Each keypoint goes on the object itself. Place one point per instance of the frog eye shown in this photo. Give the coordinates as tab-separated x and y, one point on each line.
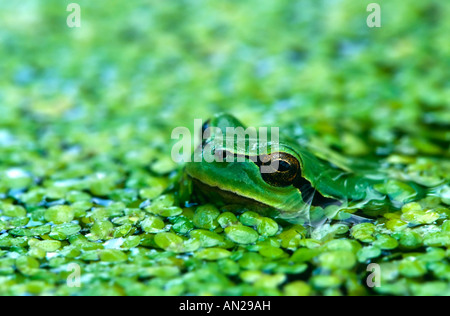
282	168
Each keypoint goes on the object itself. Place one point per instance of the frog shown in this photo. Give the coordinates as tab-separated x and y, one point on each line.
299	184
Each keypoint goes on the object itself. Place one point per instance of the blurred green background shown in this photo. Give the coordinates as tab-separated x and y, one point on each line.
163	63
91	108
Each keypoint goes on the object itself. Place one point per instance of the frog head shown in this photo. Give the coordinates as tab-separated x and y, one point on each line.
263	173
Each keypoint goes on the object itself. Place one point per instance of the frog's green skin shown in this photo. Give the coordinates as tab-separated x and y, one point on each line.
319	182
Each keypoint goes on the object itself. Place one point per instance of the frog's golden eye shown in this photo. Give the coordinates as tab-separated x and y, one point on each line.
279	169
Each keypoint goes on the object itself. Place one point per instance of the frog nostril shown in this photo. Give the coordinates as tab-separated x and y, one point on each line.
206	125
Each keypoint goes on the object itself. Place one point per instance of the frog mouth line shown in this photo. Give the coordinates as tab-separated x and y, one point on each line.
232	196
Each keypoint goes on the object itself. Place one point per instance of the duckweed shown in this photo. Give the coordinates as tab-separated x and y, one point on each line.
152	224
271	252
227	219
241	234
101	230
385	242
207	238
59	214
267	227
113	255
364	232
206	217
213	254
412	268
13	210
251	261
45	245
86	176
297	288
337	260
410	240
420	217
367	253
169	242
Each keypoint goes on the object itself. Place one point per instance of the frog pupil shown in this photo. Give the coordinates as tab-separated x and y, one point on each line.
283	166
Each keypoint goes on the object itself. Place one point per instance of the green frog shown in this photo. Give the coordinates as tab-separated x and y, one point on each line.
298	184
